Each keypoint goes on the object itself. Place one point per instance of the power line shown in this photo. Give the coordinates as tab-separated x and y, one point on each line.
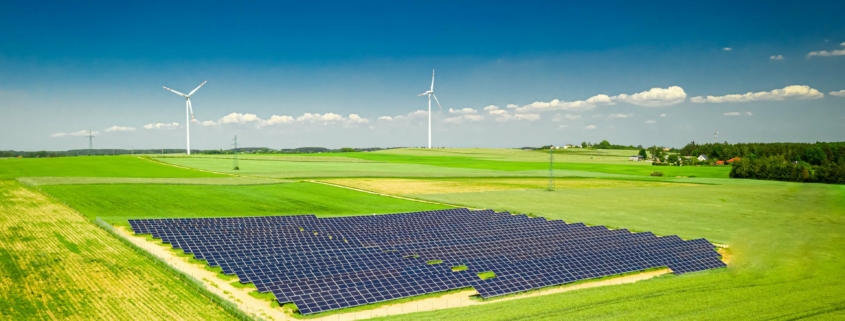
90	142
235	159
551	187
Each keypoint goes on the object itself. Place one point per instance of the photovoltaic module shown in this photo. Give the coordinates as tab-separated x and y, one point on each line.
323	264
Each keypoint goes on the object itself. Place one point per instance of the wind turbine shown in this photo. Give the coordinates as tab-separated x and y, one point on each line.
430	93
188	111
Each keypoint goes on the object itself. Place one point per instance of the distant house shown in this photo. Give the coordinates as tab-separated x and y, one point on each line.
702	158
636	158
735	159
666	149
720	162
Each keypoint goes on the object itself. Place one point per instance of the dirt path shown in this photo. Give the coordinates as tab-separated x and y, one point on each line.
220	287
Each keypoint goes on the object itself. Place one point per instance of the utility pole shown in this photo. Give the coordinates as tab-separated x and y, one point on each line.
90	142
235	159
551	187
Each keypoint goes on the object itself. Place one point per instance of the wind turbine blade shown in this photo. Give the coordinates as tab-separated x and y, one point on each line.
432	80
176	92
198	87
438	102
191	108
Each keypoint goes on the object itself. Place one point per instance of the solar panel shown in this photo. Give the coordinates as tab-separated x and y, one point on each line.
323	264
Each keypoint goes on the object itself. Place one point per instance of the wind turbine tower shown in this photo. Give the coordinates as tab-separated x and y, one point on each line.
716	137
189	111
430	93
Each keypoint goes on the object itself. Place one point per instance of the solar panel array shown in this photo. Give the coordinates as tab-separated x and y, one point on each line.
323	264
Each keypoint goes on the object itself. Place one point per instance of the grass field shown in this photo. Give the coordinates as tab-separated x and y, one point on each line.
97	166
787	240
122	202
416	186
54	264
471	163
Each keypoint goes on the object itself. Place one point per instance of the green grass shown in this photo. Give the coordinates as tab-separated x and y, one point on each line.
118	203
95	166
787	243
487	275
391	164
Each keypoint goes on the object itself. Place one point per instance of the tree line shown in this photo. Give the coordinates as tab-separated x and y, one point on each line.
819	153
779	168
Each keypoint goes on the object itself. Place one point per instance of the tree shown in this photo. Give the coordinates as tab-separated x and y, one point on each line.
643	153
583	144
673	159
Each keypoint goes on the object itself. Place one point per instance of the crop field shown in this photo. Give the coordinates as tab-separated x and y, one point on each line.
97	166
159	201
786	240
414	187
57	265
470	163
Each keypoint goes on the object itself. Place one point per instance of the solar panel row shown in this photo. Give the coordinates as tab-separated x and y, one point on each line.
323	264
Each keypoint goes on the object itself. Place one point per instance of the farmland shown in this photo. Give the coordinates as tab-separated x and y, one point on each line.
57	265
785	239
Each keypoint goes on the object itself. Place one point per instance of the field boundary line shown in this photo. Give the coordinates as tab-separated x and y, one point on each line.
184	167
393	196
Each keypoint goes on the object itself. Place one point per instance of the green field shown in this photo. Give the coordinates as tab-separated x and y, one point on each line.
787	240
97	166
444	163
118	203
55	264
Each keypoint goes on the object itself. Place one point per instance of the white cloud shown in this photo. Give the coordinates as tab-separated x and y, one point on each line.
662	115
562	126
498	112
494	107
733	113
474	117
386	118
825	53
161	126
509	106
238	118
529	117
621	115
120	129
276	119
465	111
795	91
76	133
572	117
727	49
506	117
355	119
776	57
590	127
317	117
650	121
655	97
748	113
840	93
555	104
598	116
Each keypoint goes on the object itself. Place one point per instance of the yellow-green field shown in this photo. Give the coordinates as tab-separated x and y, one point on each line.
57	265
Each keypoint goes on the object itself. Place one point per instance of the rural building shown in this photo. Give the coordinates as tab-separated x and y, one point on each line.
735	159
702	158
636	158
720	162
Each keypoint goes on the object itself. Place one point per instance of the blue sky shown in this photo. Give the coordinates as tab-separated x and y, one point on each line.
570	72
